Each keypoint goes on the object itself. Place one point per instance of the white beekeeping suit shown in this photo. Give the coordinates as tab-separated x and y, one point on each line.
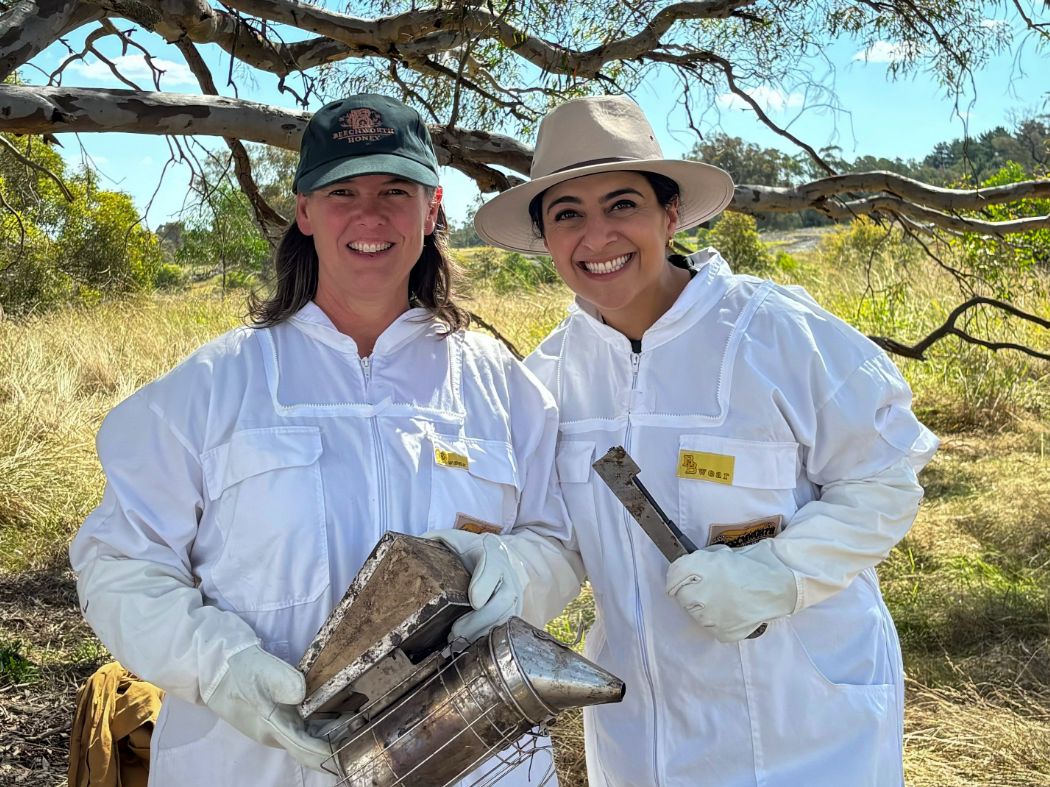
246	487
747	405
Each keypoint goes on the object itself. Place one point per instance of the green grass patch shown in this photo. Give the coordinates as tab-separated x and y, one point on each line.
15	667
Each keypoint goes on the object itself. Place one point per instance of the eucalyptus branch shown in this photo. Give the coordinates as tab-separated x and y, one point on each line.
918	350
270	223
492	329
727	70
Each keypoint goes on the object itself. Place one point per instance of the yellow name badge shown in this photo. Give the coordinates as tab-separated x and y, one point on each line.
702	466
450	459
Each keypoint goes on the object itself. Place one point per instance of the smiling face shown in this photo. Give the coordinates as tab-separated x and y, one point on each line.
607	234
368	233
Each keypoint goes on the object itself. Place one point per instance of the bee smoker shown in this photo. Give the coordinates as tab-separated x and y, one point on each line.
409	709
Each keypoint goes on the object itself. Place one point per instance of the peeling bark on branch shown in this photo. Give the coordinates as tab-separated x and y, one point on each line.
895	194
46	110
29	28
42	110
410	36
422	33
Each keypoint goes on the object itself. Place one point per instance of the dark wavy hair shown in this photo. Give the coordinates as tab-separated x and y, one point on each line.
431	284
665	189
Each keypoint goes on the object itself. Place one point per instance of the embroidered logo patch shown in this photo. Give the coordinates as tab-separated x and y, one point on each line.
474	525
362	125
702	466
450	459
745	533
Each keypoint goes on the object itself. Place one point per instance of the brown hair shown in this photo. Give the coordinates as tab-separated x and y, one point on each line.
431	284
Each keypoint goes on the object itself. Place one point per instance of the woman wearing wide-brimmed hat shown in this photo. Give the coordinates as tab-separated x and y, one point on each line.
779	439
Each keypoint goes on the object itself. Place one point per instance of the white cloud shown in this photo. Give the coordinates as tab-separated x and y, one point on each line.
994	24
883	52
134	67
771	99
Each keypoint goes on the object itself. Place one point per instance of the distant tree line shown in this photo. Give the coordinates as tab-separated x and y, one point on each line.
959	163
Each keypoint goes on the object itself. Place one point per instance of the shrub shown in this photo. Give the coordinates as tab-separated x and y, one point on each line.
510	271
736	238
864	244
15	667
239	280
55	249
1005	263
169	276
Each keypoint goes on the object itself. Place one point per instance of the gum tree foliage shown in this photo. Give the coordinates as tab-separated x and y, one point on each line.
221	236
62	236
484	72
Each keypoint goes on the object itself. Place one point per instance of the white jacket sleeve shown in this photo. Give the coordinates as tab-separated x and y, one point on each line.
133	559
862	448
542	537
852	527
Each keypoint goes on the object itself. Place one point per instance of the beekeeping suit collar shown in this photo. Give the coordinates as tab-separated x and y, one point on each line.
313	321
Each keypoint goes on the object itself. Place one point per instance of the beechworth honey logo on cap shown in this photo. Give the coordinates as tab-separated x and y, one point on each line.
362	125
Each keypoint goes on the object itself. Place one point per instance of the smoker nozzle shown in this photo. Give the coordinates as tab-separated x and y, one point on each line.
544	676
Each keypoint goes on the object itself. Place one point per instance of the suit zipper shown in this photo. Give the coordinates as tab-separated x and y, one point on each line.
377	444
636	360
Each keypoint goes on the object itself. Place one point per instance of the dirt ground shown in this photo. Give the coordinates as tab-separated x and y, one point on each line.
40	608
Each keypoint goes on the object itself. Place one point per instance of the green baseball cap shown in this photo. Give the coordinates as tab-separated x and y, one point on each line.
366	134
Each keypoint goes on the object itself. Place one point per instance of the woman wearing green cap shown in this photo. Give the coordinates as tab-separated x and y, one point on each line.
776	437
246	487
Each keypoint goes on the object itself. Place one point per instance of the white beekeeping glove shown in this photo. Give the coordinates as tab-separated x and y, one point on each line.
732	592
522	574
154	620
257	697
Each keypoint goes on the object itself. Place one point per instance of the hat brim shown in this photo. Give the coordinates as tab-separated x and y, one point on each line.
355	166
504	220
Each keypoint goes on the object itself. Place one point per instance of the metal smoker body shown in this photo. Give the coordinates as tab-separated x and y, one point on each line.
419	713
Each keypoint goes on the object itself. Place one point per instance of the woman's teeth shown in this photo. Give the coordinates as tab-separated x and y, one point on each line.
608	266
369	247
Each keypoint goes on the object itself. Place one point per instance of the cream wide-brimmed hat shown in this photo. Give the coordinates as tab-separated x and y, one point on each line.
598	134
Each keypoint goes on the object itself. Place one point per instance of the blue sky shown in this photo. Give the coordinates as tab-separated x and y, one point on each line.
876	116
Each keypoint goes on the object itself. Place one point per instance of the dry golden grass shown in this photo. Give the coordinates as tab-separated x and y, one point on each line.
59	375
964	735
521	318
970	592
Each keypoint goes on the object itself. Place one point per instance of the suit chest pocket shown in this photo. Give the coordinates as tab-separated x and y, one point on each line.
267	498
726	481
473	477
577	480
